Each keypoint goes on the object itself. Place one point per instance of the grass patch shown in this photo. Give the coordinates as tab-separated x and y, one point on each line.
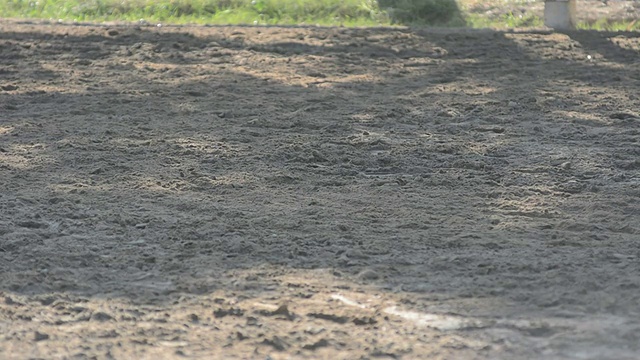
285	12
506	21
323	12
510	21
609	25
461	13
421	12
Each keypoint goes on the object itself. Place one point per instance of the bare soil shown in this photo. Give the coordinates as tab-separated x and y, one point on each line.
318	193
589	11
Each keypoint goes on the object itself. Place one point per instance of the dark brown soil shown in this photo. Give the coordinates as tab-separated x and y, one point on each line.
318	193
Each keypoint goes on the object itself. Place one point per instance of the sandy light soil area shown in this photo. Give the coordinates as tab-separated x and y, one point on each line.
318	193
588	11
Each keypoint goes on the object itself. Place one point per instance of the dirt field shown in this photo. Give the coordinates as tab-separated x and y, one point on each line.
589	11
303	193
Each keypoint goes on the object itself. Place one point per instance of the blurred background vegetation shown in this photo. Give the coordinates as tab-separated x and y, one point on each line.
449	13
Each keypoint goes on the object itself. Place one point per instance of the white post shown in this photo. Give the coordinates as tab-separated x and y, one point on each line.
560	14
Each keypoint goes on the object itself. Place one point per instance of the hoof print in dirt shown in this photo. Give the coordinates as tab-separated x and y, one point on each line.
251	321
38	336
9	87
30	224
220	313
365	320
46	301
9	301
330	317
623	115
281	312
101	316
193	318
276	343
368	275
316	345
376	353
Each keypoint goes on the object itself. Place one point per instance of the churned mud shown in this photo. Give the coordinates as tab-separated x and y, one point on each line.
318	193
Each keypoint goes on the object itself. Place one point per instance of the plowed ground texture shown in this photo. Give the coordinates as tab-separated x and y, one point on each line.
318	193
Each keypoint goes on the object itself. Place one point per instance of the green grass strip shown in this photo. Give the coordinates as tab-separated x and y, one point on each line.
277	12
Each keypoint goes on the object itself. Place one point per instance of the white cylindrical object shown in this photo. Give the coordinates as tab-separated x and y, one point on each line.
560	14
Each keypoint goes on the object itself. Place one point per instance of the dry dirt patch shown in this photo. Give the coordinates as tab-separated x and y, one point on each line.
272	193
